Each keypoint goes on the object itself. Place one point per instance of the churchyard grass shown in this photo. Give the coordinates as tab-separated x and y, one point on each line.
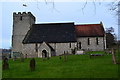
76	66
0	69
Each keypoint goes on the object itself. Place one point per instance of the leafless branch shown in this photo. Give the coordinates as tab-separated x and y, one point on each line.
46	2
114	7
54	6
84	7
94	6
99	3
38	5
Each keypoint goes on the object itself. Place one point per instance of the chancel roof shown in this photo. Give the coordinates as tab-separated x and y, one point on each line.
90	30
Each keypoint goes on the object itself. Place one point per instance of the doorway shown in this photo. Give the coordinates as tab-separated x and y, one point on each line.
44	53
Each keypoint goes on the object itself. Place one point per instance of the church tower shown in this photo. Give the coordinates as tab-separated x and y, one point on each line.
21	25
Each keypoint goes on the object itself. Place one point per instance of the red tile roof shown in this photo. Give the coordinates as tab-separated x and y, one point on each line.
90	30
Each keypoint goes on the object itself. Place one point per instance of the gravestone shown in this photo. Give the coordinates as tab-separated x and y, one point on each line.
22	58
14	59
65	56
60	57
78	52
32	64
5	64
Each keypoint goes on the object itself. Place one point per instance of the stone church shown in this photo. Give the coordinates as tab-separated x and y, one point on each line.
54	39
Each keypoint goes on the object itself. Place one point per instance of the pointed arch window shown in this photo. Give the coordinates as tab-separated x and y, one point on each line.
79	45
97	41
70	45
88	41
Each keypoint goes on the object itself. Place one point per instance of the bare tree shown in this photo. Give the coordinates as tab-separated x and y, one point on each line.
110	37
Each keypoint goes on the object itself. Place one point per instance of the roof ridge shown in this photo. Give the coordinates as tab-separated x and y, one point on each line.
86	24
55	23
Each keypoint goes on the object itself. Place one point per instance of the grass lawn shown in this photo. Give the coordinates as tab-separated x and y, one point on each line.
0	69
76	66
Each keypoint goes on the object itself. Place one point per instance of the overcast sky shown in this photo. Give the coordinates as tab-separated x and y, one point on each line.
60	12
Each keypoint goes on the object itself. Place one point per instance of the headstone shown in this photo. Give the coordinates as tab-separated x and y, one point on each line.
60	57
5	64
32	64
80	52
14	59
65	56
22	58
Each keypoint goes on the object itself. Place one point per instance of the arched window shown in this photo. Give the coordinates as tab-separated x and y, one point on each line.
36	47
70	45
79	45
88	41
97	41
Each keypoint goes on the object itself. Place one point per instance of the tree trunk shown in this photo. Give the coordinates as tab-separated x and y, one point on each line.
113	56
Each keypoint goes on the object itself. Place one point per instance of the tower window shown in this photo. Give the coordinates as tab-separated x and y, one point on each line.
97	41
21	18
88	41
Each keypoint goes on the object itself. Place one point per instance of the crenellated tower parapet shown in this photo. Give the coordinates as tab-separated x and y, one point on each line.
21	15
